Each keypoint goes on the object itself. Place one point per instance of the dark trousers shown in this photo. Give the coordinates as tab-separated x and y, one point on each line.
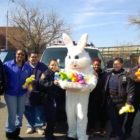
97	114
50	110
131	117
116	120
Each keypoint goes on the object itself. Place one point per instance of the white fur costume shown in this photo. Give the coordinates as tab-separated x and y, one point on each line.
78	60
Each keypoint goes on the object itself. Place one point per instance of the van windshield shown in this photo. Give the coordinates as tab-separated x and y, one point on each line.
2	56
6	55
60	54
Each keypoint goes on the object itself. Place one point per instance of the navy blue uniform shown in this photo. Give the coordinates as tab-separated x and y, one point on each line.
51	91
119	89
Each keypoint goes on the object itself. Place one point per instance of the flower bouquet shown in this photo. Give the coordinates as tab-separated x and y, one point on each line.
71	80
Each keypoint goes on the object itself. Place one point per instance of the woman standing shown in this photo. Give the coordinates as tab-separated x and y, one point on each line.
16	74
97	115
50	88
119	89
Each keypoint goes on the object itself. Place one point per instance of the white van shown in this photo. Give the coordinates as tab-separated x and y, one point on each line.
59	52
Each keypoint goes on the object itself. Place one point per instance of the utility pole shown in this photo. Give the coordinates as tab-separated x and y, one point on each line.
7	21
7	30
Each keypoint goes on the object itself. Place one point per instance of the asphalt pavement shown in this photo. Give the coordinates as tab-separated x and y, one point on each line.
60	128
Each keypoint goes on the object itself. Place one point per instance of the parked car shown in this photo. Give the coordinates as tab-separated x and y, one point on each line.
6	55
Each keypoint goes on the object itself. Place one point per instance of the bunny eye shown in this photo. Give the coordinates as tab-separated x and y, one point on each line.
69	57
76	57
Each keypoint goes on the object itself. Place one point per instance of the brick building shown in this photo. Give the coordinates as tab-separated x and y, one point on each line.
13	34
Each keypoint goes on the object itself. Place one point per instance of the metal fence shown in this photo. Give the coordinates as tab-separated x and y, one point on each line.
128	53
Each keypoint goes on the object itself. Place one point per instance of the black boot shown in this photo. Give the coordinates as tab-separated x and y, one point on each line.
11	136
69	138
17	131
17	134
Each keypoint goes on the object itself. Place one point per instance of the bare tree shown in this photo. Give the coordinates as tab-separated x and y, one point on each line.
37	29
134	20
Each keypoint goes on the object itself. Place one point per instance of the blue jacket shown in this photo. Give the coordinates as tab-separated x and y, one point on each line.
37	71
15	78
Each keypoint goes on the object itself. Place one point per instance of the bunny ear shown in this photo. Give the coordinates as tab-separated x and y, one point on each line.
83	41
67	40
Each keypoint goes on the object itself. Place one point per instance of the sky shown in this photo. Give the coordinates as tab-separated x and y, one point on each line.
105	21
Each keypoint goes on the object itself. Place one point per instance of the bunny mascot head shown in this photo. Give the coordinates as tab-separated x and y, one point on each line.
78	60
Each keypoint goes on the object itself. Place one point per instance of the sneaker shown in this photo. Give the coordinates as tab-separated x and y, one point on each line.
30	131
97	132
102	133
40	131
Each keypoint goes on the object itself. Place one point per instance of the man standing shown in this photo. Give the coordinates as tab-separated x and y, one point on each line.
34	111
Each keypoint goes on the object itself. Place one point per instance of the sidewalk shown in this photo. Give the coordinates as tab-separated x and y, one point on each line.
61	135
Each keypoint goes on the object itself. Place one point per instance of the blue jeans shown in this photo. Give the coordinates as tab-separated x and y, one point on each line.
35	116
16	108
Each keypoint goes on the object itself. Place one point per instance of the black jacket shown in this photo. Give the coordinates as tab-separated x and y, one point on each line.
132	75
126	88
96	96
137	83
48	87
2	79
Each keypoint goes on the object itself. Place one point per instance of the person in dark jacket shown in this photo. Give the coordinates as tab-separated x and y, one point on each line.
131	117
119	89
34	110
2	79
15	95
97	110
50	87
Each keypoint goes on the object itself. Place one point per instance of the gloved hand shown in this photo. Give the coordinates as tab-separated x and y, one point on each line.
127	108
